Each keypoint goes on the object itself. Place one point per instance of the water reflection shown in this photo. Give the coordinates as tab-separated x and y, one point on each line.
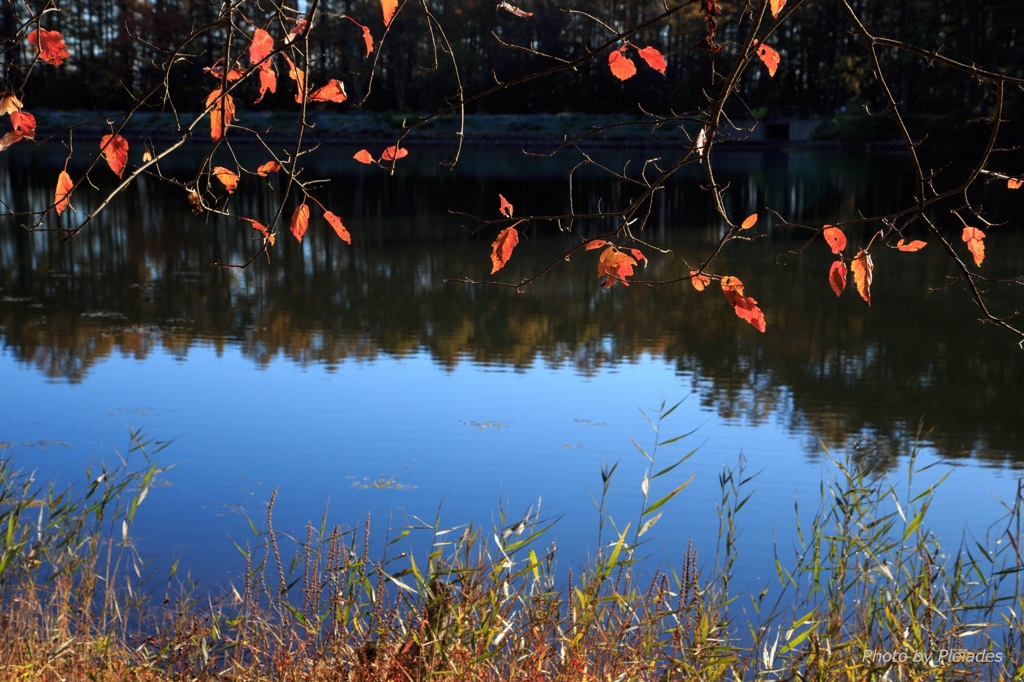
136	280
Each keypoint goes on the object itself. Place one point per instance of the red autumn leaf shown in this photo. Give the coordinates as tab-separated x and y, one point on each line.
975	239
115	151
363	156
227	178
393	153
260	48
300	222
770	58
863	271
217	71
296	31
368	39
615	266
339	229
388	7
639	256
622	66
915	245
835	238
262	228
749	222
595	244
509	7
221	114
50	46
9	139
9	103
777	6
731	286
334	91
268	82
504	207
837	276
699	282
653	58
744	306
501	249
267	168
299	76
24	124
1013	183
62	195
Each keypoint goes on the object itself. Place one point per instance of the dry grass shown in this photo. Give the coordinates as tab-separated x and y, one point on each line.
868	595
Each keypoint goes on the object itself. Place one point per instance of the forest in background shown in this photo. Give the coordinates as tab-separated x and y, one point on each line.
119	49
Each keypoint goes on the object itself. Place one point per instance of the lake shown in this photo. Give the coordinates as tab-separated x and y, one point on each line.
354	380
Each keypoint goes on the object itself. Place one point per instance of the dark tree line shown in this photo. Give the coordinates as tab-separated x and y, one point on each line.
119	48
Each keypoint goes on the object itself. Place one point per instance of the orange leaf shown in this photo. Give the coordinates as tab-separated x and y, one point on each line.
975	239
596	244
504	208
262	228
50	46
9	102
744	306
221	114
268	168
699	282
837	277
299	76
368	39
622	66
227	178
770	58
501	249
388	7
62	195
334	91
268	82
614	266
296	31
509	7
777	6
1013	183
915	245
24	124
749	222
339	229
392	153
639	256
863	272
731	286
115	151
835	237
260	48
9	139
363	156
300	221
653	58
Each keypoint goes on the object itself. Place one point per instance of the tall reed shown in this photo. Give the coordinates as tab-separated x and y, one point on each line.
867	591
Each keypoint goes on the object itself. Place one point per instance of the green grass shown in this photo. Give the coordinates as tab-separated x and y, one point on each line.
866	593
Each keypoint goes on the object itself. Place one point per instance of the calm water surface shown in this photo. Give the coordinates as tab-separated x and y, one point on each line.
354	379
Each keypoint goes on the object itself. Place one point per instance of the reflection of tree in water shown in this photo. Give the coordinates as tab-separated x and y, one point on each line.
138	281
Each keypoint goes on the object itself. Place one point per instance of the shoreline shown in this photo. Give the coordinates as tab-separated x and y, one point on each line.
499	130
